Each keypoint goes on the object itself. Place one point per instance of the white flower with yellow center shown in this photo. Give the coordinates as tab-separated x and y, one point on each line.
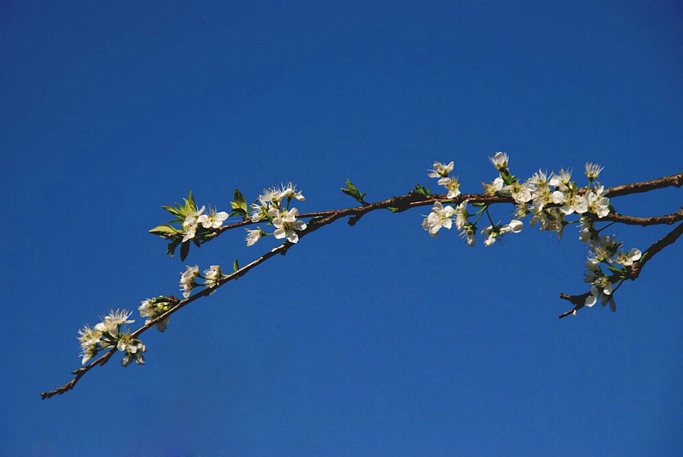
440	170
495	186
439	217
499	160
286	225
212	221
627	258
452	185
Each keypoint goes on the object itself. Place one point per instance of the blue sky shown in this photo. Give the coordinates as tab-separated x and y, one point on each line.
372	340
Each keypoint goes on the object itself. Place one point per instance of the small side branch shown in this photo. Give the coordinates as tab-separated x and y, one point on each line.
645	186
644	221
654	249
579	301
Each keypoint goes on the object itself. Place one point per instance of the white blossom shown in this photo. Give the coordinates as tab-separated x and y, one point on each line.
89	339
286	225
187	280
491	233
562	181
439	217
593	170
153	308
461	215
213	220
521	193
133	349
212	276
112	323
190	224
574	203
452	185
499	160
539	179
592	297
253	236
514	226
597	203
627	258
495	186
440	170
289	191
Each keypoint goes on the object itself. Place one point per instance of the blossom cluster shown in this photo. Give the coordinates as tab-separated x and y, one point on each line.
445	216
196	226
550	198
270	208
188	278
213	220
605	252
155	307
107	334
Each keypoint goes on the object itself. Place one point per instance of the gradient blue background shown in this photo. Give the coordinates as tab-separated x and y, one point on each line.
374	340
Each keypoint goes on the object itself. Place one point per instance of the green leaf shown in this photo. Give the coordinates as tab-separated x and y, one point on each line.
353	191
236	265
239	200
238	212
422	190
190	205
173	210
172	245
164	229
184	250
393	209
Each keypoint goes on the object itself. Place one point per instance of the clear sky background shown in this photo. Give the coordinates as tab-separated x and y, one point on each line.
375	340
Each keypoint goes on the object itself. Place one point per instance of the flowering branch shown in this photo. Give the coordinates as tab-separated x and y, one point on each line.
633	272
549	199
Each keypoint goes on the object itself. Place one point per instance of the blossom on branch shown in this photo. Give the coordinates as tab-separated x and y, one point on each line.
187	280
286	225
439	217
500	160
213	220
440	170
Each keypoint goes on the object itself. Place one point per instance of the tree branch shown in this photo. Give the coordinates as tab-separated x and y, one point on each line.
645	186
632	272
281	249
402	203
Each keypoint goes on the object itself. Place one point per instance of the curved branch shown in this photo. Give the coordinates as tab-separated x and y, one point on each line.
414	199
654	249
402	203
633	271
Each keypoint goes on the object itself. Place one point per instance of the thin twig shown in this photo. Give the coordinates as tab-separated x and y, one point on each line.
646	186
